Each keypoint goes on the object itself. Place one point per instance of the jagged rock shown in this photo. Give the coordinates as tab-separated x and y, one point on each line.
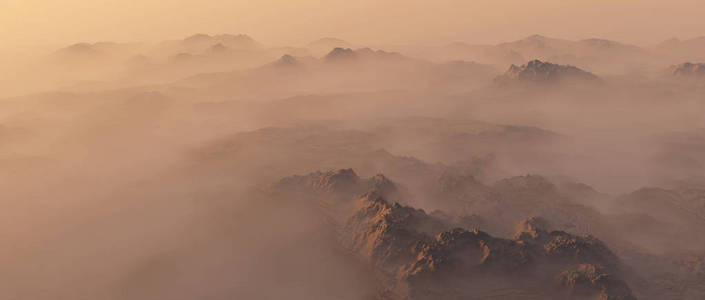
239	41
340	185
385	234
347	54
287	60
422	256
533	226
538	72
592	281
341	54
460	250
691	70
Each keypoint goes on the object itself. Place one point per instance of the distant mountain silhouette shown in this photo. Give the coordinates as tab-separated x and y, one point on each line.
692	70
684	50
239	41
347	54
547	48
538	72
326	44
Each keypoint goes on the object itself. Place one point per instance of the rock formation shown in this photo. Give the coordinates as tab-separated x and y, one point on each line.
538	72
688	70
422	256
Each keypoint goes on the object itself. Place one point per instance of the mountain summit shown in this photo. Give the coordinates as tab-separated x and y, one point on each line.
539	72
418	256
688	70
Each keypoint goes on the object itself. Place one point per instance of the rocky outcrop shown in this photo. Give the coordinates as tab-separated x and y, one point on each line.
347	54
341	54
419	265
588	280
385	233
287	61
236	41
339	185
538	72
429	256
688	70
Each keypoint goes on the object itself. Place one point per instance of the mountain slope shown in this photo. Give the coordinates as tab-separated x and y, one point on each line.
418	256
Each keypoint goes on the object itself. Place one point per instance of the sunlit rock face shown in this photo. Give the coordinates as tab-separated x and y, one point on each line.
430	256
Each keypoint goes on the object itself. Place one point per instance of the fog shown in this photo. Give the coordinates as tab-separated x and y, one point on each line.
157	164
38	22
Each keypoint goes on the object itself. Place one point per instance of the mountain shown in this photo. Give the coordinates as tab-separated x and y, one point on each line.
327	145
684	206
595	54
422	256
538	72
502	205
341	54
344	70
204	41
224	48
551	48
80	49
103	52
688	70
668	218
287	61
682	50
347	54
450	254
325	45
540	46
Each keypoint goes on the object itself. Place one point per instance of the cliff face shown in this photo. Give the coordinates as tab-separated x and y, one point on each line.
422	256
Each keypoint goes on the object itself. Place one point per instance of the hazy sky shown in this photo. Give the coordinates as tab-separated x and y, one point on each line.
35	22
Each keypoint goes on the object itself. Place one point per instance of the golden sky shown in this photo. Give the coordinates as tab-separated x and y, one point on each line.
36	22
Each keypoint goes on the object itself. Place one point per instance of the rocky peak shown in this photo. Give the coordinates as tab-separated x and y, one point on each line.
239	41
287	60
533	226
342	185
688	70
422	256
590	281
347	54
329	43
197	38
537	71
341	54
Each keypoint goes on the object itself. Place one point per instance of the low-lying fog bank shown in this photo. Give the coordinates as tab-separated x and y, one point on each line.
169	175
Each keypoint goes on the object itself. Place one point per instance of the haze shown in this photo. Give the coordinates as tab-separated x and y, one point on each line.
41	22
361	150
